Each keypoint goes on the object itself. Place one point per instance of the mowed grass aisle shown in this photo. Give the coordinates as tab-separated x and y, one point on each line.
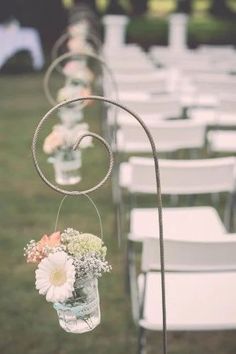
28	210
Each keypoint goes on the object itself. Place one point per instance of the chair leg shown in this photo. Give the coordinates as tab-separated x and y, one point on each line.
142	340
131	281
229	213
130	267
120	217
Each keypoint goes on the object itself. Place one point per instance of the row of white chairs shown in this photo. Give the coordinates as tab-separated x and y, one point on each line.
199	253
171	136
205	59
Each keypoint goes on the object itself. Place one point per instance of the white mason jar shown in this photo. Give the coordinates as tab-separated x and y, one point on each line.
67	167
80	313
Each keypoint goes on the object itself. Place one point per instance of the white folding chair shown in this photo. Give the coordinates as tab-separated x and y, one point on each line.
169	106
200	286
170	136
178	177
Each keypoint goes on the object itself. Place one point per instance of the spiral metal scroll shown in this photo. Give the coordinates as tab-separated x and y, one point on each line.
90	37
60	190
70	56
157	178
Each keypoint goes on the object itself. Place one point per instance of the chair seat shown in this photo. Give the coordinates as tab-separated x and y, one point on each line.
194	301
185	224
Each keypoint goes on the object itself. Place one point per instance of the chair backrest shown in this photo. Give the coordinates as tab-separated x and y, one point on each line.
166	105
183	177
216	50
127	50
154	77
214	85
169	136
227	103
165	57
191	256
155	85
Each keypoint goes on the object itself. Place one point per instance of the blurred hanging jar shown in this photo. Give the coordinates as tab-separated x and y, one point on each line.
79	29
70	116
78	71
59	145
80	45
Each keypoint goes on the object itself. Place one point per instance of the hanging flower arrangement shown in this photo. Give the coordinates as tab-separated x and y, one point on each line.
68	267
66	161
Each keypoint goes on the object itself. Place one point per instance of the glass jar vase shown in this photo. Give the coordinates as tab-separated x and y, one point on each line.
67	167
80	313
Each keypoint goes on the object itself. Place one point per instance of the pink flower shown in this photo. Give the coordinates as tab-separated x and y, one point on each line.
37	251
53	142
51	241
72	67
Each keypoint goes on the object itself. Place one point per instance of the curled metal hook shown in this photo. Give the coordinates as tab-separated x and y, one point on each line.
109	150
66	56
90	37
157	179
75	192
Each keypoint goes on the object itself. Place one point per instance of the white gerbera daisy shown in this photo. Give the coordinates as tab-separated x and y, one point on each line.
55	277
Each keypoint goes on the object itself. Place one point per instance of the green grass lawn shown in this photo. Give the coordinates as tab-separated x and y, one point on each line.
28	210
